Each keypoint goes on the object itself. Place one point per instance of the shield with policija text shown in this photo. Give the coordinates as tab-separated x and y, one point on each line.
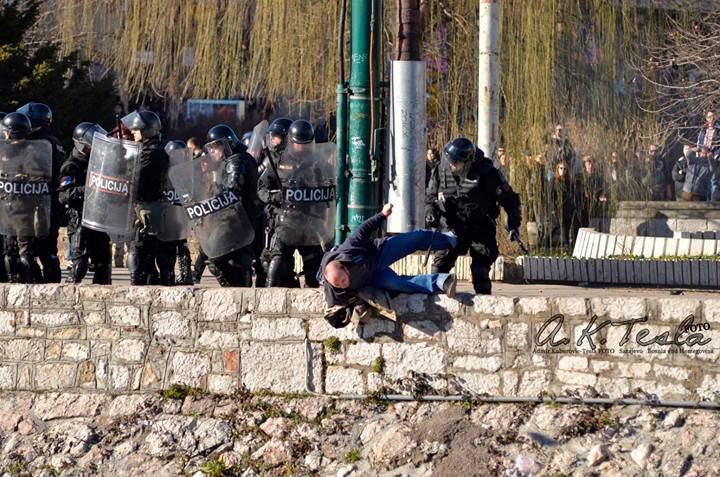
25	182
110	186
307	215
171	222
216	213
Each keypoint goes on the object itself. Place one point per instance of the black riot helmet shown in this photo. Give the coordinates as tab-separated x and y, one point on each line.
282	122
246	137
16	125
460	152
40	114
223	131
83	135
175	145
301	132
277	129
147	122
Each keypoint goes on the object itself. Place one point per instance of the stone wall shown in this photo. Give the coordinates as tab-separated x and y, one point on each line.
126	339
663	219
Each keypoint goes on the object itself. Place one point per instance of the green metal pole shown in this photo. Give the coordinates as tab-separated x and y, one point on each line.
362	195
341	175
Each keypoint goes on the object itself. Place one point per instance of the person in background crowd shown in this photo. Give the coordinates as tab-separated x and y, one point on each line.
561	149
657	177
697	184
431	161
709	137
195	147
591	199
561	206
679	171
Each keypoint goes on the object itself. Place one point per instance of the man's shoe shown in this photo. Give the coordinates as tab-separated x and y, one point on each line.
449	285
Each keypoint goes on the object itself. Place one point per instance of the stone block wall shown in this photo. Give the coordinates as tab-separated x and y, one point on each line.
143	339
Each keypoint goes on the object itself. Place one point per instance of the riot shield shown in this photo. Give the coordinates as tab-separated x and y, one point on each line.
25	181
307	215
110	186
257	141
215	213
173	222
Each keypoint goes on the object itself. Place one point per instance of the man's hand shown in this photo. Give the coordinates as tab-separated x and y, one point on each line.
387	209
514	235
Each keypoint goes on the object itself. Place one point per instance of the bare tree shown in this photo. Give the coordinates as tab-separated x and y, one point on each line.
682	74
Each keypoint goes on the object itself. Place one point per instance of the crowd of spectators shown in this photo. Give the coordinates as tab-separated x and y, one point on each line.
564	190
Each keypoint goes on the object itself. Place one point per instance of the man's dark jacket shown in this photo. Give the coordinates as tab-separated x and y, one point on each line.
359	253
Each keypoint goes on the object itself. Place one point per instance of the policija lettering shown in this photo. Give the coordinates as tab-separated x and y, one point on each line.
547	334
210	206
24	188
309	194
109	185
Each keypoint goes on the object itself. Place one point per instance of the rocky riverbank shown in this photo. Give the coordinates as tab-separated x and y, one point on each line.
186	433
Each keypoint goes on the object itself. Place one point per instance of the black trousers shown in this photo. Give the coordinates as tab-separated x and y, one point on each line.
483	249
90	246
146	251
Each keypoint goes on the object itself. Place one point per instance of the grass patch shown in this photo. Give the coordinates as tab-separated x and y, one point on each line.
333	344
352	456
379	365
181	391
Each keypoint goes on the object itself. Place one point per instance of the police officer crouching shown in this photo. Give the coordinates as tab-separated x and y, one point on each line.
153	168
239	175
463	196
87	244
46	248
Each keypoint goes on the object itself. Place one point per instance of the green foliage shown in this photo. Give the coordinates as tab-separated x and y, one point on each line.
180	391
333	344
215	468
352	456
40	73
379	365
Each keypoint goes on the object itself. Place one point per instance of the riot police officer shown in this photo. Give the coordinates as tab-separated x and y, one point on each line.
239	174
87	244
19	260
281	254
146	247
462	197
46	249
181	248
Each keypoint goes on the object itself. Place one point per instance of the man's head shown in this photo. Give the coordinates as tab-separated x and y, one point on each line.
276	136
561	169
194	145
143	125
83	136
614	157
587	164
40	114
459	153
16	126
223	132
558	131
337	275
710	118
687	150
652	150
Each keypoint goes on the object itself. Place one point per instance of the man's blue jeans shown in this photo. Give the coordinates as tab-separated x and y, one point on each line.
397	247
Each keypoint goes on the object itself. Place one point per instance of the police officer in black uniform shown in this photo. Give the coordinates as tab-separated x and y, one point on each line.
181	248
239	174
20	262
46	249
462	197
87	244
282	262
153	167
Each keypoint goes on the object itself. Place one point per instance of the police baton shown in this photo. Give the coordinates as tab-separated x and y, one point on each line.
429	249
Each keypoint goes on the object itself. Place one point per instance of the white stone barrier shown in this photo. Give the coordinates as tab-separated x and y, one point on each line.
142	339
593	244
